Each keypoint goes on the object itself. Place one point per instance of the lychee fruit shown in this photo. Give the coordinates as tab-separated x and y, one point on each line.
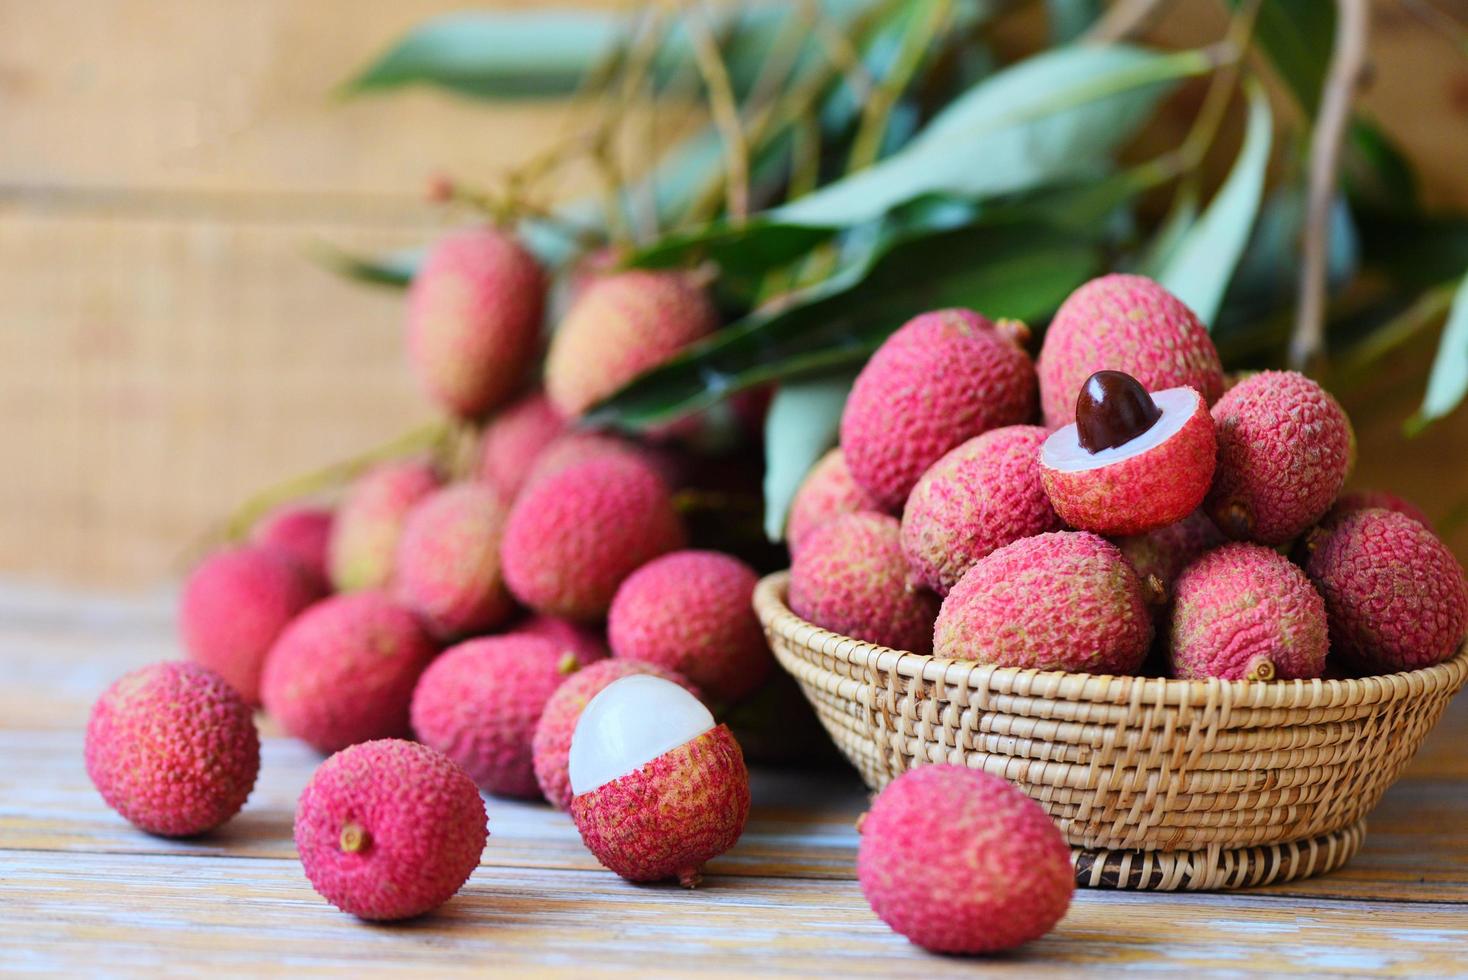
579	445
344	671
620	326
364	537
586	644
827	492
235	604
479	702
850	577
448	562
389	829
1245	612
978	497
691	612
960	861
551	745
474	318
657	787
573	536
1356	500
1394	594
1132	461
1284	449
1066	600
1124	323
513	440
941	379
172	748
1159	556
301	531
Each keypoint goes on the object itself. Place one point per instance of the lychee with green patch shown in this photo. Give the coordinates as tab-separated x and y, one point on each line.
448	561
364	536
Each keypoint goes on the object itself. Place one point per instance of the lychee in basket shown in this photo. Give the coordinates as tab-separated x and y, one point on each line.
1157	784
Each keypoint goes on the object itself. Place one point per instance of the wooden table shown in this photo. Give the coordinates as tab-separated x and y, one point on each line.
82	892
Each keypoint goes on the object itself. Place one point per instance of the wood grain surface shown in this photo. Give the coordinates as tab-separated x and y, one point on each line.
84	893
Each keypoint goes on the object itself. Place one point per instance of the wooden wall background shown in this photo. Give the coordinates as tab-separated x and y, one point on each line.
165	346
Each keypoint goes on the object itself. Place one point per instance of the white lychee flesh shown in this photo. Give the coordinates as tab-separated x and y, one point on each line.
1063	450
628	724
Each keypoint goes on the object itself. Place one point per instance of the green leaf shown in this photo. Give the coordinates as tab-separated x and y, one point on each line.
1034	122
1199	272
1414	251
1447	384
1163	247
1070	18
394	269
1004	269
800	426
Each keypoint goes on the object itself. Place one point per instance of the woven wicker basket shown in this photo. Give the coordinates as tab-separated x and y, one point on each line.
1157	784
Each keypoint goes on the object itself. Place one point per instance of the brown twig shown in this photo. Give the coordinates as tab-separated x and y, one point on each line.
1347	66
1122	20
725	111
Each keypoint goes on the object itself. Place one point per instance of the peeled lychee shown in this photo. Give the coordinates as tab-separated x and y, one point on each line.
1245	612
960	861
620	326
1066	600
1124	323
389	829
574	536
941	379
173	748
1356	500
300	531
657	787
586	644
1132	461
1158	556
344	671
364	538
1394	593
514	440
978	497
552	743
479	702
827	492
1284	448
474	317
233	607
448	562
850	577
691	612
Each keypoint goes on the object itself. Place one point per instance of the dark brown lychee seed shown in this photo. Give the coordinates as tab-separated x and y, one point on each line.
1113	409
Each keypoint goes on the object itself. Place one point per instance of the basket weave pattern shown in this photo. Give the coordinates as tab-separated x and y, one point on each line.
1156	783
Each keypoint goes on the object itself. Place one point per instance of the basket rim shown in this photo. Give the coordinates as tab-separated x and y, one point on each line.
777	617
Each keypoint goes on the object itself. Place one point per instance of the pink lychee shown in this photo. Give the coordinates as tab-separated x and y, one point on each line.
827	492
364	537
301	531
448	561
513	440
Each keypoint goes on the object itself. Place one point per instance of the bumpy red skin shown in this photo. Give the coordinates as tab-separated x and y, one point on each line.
1124	323
364	537
173	749
620	326
826	493
942	378
478	705
587	644
980	496
448	563
959	861
301	532
1159	556
1358	500
665	820
1244	611
578	446
423	822
474	317
233	607
1066	600
551	745
1394	593
850	577
513	440
344	671
1143	492
691	612
1284	448
574	536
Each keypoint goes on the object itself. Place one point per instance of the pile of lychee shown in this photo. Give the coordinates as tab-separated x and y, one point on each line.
1164	518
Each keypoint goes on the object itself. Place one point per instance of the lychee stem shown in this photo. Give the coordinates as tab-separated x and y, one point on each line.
1154	593
1235	520
1260	669
1016	331
690	877
568	664
354	838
